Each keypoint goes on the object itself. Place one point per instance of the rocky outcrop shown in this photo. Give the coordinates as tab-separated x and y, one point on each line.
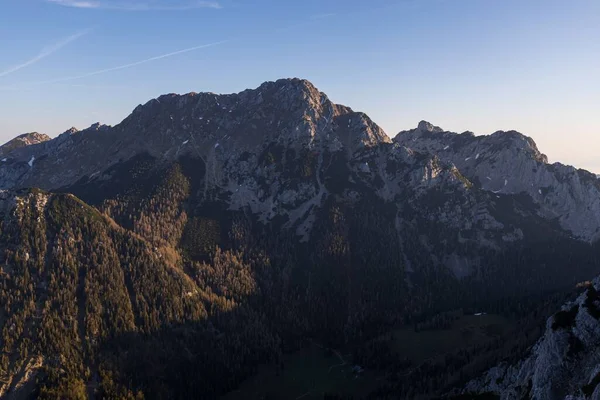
563	364
510	163
26	139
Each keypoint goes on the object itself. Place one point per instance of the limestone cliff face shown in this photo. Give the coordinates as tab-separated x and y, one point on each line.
270	149
563	364
283	149
510	163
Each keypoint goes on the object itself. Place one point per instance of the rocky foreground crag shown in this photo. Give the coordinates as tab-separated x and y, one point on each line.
563	364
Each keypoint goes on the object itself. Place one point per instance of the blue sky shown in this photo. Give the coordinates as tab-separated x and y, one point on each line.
479	65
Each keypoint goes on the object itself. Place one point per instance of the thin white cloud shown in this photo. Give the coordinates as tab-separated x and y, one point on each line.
134	64
128	5
16	88
46	51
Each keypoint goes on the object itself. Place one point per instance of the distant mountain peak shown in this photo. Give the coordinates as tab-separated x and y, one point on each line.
70	131
425	126
519	140
26	139
292	84
98	127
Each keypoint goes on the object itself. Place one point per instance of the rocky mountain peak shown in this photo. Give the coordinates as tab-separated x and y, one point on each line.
508	162
217	128
292	87
23	140
98	127
519	141
292	112
425	126
70	131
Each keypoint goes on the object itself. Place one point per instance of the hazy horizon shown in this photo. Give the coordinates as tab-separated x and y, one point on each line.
462	65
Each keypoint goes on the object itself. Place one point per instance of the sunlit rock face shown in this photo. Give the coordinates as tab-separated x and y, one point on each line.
510	163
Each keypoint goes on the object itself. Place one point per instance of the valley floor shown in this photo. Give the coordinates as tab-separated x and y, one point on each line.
314	371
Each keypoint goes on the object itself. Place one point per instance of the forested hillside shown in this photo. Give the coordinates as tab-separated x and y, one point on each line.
210	242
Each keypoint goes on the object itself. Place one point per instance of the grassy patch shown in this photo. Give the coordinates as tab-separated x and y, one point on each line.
309	373
467	331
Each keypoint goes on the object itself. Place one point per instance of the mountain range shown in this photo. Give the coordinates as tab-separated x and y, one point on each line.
172	254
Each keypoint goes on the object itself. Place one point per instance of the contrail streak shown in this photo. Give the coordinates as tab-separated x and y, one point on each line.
133	64
135	6
46	51
311	20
